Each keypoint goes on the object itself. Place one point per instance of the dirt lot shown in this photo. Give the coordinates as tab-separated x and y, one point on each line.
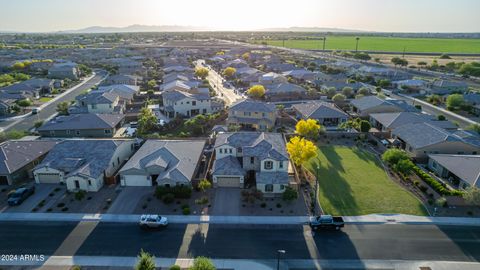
414	59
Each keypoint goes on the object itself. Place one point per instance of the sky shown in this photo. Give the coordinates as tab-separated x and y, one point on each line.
370	15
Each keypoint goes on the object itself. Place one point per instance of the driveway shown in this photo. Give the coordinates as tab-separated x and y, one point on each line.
41	192
127	200
227	202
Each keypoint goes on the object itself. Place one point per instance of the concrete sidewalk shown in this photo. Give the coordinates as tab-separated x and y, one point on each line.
238	264
278	220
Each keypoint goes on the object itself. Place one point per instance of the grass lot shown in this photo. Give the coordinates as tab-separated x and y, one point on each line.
391	44
45	99
352	182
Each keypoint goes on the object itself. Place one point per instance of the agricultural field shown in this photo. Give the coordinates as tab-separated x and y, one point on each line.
353	182
387	44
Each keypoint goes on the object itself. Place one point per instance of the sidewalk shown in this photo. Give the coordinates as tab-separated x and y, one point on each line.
239	264
263	220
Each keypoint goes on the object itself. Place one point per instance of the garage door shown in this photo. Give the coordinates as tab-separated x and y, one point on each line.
48	178
228	181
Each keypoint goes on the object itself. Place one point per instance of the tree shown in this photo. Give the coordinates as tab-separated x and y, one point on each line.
256	91
145	261
347	91
441	117
301	150
363	91
18	66
204	184
84	69
330	92
201	72
308	128
474	127
434	99
229	72
38	123
422	64
24	103
393	156
151	84
365	126
289	194
202	263
197	124
246	56
62	108
147	121
397	61
383	83
339	98
404	166
472	196
454	101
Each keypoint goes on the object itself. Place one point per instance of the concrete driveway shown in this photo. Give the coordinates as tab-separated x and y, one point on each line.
41	192
227	202
127	200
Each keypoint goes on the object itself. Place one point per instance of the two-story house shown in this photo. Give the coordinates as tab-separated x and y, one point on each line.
244	159
185	104
252	115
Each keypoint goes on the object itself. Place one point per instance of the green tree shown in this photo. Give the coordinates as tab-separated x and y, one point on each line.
339	98
472	196
246	56
441	117
229	72
85	70
145	261
197	124
147	121
383	83
404	166
474	127
330	92
202	263
365	126
256	91
289	194
201	73
62	108
18	66
38	123
363	91
393	155
24	103
151	84
347	91
455	101
434	99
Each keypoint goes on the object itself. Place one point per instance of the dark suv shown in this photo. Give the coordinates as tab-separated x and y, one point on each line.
20	195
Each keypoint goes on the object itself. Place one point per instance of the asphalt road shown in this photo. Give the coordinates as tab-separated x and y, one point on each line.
355	242
28	122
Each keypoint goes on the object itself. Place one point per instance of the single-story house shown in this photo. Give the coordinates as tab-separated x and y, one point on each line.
372	104
327	114
462	170
386	122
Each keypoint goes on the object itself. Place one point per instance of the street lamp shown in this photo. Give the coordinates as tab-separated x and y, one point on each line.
317	170
279	252
356	46
324	39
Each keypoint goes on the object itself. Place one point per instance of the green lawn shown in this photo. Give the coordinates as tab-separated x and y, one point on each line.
352	182
394	44
45	99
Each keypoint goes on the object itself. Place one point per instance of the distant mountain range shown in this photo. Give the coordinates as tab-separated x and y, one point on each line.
136	28
309	29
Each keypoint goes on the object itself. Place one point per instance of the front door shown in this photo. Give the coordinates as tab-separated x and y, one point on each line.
77	184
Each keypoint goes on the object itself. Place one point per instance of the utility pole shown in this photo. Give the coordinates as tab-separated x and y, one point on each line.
324	39
317	169
279	252
356	46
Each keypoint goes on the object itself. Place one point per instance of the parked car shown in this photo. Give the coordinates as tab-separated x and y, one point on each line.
326	222
36	110
153	221
20	195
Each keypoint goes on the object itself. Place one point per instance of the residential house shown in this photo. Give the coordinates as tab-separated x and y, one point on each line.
82	125
67	70
257	159
421	139
121	79
6	104
461	170
19	157
185	104
162	162
272	78
285	92
411	85
32	88
372	104
301	74
252	115
387	122
327	114
444	87
83	164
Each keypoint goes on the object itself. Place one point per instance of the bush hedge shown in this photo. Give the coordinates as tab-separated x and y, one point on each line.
437	186
180	192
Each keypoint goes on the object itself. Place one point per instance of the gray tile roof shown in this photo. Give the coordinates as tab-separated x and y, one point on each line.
256	144
83	121
81	157
466	167
284	88
272	178
394	120
249	105
97	97
179	95
228	165
420	135
178	159
319	109
374	101
16	154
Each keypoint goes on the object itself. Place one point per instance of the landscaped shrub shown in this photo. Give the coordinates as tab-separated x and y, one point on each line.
79	195
65	209
437	186
289	194
168	198
175	267
60	205
263	205
279	205
180	192
186	211
185	206
203	200
423	188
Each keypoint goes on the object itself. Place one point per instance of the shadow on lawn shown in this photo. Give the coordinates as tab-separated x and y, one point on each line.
333	186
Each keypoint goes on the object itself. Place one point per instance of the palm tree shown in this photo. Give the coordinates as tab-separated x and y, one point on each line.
356	46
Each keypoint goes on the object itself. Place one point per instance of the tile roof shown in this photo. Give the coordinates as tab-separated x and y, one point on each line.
319	109
466	167
228	165
257	144
249	105
16	154
83	121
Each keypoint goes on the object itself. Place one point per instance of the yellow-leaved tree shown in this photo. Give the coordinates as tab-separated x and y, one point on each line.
308	128
229	72
201	72
256	91
301	150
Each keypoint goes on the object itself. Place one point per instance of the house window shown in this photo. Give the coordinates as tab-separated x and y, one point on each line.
263	114
239	150
188	102
434	164
194	103
89	182
108	131
269	188
68	132
94	106
252	160
268	165
52	132
221	150
77	132
282	187
280	164
230	150
204	110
